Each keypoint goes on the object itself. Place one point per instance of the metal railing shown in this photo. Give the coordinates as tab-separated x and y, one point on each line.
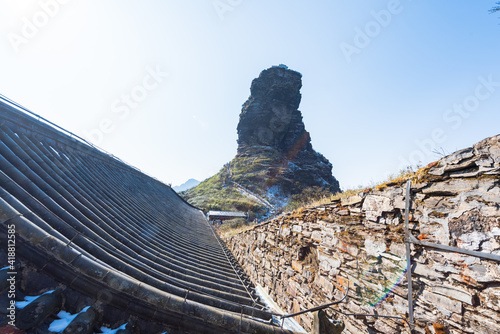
410	239
317	308
329	306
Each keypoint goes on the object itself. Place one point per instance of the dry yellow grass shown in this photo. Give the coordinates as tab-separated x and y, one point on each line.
393	180
232	231
408	174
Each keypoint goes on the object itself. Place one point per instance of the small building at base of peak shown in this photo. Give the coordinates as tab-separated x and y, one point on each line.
220	216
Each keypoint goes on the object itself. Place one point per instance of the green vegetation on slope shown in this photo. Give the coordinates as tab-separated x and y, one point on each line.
216	194
264	174
233	226
307	196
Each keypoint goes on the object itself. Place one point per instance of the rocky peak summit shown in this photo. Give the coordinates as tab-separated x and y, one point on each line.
270	117
275	166
271	126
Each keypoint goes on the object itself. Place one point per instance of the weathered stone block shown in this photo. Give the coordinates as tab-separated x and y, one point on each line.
307	274
306	234
297	265
451	188
442	302
374	247
398	249
446	268
484	325
374	205
472	241
426	271
384	327
348	248
344	212
324	283
328	263
491	298
351	200
456	293
317	236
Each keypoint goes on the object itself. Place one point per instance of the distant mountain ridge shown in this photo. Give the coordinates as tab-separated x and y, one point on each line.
186	185
275	162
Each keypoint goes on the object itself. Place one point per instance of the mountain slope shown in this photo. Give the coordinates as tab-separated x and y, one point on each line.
186	185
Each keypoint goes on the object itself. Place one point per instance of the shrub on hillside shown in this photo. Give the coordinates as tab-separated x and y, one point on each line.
233	223
307	196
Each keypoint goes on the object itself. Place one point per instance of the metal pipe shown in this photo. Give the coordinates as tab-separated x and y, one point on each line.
488	256
317	308
408	255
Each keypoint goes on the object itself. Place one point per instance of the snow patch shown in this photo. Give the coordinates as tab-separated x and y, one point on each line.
289	323
106	330
29	299
57	326
275	196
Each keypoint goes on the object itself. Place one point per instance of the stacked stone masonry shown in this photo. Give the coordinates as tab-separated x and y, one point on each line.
308	257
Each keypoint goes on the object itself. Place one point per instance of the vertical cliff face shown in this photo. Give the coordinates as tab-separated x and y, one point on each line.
270	117
275	162
271	127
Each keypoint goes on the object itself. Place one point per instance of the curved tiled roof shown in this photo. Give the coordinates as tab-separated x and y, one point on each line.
112	236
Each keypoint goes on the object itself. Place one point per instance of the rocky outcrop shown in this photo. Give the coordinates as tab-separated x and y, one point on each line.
270	116
275	158
270	120
309	257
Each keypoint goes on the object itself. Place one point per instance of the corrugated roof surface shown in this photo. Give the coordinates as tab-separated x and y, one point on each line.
114	236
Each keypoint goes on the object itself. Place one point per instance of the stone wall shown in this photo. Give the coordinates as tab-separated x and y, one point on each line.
308	257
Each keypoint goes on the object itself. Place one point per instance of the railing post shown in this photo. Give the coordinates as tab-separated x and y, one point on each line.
408	256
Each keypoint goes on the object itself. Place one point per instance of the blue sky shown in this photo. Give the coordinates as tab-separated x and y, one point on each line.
160	83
